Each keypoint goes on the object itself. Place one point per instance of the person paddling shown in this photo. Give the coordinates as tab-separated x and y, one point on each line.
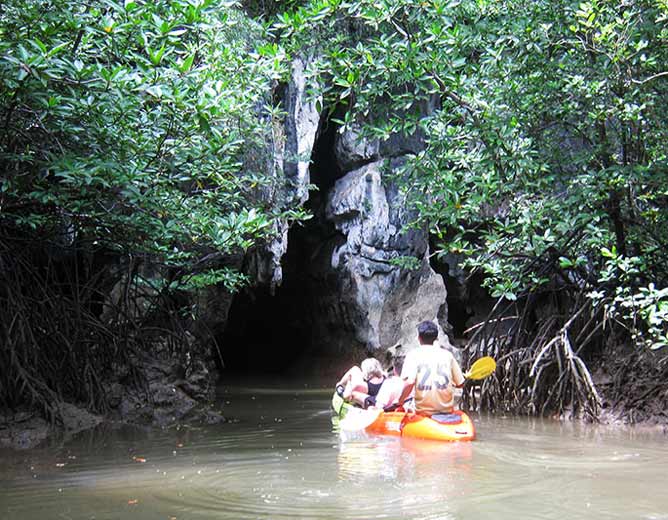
432	372
361	384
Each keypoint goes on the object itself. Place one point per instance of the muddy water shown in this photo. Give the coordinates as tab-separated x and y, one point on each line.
282	460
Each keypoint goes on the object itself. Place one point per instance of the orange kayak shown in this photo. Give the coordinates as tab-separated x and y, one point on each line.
455	426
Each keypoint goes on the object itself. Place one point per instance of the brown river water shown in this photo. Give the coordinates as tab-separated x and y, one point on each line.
282	459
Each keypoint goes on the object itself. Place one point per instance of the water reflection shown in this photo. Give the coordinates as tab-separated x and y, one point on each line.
368	461
394	458
283	460
425	478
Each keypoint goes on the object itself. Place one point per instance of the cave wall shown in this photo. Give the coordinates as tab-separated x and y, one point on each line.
468	302
290	146
383	302
349	298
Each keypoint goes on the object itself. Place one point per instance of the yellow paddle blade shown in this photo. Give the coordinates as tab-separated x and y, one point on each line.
481	368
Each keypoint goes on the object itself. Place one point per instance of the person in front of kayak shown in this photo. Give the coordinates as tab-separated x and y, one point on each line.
433	373
361	384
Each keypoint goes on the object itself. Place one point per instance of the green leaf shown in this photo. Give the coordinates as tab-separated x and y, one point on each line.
187	63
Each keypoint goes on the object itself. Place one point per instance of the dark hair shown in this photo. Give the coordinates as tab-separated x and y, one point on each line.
427	332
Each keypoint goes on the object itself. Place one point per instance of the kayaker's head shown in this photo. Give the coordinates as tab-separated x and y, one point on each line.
427	332
371	368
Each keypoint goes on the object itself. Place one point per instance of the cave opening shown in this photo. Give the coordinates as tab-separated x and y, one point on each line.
467	301
275	332
458	307
262	334
457	297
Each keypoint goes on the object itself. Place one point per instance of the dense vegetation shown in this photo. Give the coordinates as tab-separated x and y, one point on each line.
135	131
544	168
129	132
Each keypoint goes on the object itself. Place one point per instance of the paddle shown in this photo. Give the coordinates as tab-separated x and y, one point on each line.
357	419
482	368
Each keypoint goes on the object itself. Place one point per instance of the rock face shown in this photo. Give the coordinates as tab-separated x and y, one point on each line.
24	430
373	301
290	153
359	297
353	150
469	302
384	301
171	395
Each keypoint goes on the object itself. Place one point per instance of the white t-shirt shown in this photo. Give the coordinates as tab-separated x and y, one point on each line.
435	372
389	392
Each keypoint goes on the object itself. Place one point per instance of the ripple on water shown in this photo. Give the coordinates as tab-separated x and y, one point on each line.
282	460
365	479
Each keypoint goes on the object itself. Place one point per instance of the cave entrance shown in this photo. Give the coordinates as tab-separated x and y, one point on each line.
458	302
264	333
275	333
458	308
467	301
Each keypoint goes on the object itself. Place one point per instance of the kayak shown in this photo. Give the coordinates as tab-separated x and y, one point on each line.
455	426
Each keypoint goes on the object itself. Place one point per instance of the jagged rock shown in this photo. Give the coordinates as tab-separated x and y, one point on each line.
352	292
212	305
25	430
198	382
291	149
173	393
213	417
114	394
163	404
170	404
353	150
379	301
300	129
372	300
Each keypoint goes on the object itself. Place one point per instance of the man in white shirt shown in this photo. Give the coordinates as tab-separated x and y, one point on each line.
433	372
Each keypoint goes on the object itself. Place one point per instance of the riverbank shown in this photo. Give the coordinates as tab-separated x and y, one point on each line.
164	394
634	389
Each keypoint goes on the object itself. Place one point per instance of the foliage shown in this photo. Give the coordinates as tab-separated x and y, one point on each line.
267	9
642	310
129	126
410	263
213	277
544	145
133	136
